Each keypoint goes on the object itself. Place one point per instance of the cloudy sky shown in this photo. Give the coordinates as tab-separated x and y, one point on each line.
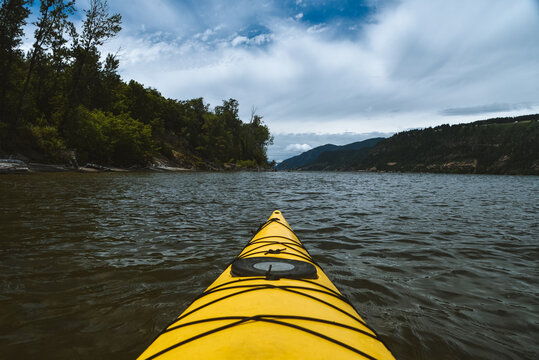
323	71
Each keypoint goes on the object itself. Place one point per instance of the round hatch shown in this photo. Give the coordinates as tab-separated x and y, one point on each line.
273	267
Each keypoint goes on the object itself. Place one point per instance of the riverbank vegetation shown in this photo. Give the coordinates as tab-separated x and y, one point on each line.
63	100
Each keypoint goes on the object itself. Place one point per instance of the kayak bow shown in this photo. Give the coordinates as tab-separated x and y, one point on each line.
272	302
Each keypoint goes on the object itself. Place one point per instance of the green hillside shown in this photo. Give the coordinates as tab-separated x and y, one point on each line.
494	146
337	160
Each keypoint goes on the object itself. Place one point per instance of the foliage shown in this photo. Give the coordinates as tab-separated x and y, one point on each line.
48	141
64	96
248	164
13	14
496	146
50	26
112	139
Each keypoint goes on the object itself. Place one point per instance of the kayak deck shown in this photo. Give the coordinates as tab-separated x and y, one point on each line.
272	302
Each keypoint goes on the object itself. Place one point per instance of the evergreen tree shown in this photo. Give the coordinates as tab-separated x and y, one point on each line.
13	15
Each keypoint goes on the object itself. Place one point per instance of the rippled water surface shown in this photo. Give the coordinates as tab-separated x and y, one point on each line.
95	265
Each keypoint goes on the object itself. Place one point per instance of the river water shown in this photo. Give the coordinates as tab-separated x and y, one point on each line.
95	265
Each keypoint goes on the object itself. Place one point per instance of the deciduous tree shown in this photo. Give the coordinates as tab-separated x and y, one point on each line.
50	27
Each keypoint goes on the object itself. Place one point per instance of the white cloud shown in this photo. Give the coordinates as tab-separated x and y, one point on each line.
414	64
318	28
254	41
298	147
261	39
205	36
238	40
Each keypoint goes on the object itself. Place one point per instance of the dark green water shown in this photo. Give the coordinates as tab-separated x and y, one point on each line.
95	265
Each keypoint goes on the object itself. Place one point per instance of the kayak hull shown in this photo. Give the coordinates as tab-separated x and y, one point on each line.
272	302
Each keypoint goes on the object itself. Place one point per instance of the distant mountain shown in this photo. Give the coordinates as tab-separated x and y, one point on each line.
494	146
310	157
338	160
304	158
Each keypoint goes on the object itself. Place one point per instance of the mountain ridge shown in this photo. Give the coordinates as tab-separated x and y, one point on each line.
307	157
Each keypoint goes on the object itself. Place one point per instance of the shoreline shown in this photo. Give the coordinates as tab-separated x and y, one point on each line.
16	166
13	166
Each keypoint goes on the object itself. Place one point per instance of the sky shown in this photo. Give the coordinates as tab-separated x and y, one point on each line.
322	71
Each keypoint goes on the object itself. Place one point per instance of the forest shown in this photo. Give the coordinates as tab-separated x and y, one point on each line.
64	98
494	146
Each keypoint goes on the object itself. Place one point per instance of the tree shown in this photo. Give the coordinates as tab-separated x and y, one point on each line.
13	14
50	27
258	140
229	113
99	26
109	85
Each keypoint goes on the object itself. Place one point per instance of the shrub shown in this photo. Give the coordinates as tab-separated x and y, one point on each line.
112	139
47	141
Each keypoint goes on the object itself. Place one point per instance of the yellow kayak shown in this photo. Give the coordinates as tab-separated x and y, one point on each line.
272	302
